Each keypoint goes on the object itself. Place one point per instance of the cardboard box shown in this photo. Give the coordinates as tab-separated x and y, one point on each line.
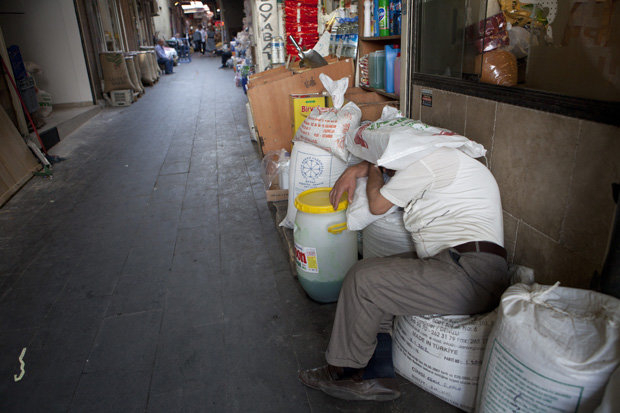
270	101
302	105
275	194
370	103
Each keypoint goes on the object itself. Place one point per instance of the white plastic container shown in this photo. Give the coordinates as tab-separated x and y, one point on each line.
324	248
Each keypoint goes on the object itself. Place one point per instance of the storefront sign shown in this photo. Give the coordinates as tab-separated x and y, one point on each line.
266	12
427	98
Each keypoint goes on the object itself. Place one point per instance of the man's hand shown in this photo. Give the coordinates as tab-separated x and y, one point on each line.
347	182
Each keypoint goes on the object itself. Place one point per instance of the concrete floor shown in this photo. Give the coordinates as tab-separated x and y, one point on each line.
148	274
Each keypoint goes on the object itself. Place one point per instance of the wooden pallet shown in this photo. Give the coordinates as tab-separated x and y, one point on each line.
278	212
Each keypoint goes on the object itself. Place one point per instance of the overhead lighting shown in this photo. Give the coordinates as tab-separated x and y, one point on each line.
195	7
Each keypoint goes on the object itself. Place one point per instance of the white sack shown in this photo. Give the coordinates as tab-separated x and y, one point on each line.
551	349
395	142
442	354
327	127
309	167
611	398
358	212
386	236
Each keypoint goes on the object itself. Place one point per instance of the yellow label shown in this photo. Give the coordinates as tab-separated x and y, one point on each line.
302	106
312	263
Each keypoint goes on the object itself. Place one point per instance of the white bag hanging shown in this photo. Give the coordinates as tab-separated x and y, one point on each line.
358	212
552	349
395	142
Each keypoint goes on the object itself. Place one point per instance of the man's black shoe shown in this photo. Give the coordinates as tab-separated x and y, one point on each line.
349	386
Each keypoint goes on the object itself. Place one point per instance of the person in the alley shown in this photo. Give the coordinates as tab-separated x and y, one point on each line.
452	209
162	58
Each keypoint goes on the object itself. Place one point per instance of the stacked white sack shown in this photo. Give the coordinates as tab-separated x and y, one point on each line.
386	236
309	167
327	127
395	142
552	349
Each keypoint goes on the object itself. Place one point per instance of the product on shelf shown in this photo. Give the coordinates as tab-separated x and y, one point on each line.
364	78
499	67
390	56
376	69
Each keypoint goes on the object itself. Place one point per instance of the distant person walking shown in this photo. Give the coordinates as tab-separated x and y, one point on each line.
197	38
210	43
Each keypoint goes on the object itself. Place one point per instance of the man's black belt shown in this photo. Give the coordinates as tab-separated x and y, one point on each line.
482	246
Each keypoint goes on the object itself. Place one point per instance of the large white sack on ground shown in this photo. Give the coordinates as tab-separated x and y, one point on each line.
358	211
395	142
442	354
309	167
552	349
386	236
611	398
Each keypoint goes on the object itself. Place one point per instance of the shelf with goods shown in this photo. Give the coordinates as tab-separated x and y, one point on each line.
370	44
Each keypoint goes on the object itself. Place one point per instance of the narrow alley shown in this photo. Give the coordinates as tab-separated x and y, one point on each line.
148	274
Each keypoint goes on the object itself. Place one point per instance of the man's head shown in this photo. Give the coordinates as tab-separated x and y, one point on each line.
160	41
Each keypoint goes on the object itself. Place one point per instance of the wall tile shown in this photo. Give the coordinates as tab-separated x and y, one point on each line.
448	111
533	159
511	225
480	122
591	207
550	261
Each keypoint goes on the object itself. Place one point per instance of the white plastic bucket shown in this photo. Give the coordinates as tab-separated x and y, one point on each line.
324	248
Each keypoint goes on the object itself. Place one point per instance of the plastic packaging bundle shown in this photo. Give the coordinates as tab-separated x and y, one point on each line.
498	67
327	127
274	169
488	34
364	79
395	142
519	42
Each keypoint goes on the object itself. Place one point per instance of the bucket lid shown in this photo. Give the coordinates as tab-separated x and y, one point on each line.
316	201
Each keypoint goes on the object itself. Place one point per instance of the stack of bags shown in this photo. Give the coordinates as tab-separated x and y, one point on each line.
302	22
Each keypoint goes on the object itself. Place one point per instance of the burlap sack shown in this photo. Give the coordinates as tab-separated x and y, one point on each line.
136	65
154	63
137	86
115	73
148	75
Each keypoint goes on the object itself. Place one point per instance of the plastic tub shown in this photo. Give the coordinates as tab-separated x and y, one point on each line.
324	248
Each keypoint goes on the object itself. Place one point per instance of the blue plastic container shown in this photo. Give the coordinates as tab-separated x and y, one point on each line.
390	56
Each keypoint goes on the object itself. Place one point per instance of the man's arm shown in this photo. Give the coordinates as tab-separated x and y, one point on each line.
347	182
376	202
